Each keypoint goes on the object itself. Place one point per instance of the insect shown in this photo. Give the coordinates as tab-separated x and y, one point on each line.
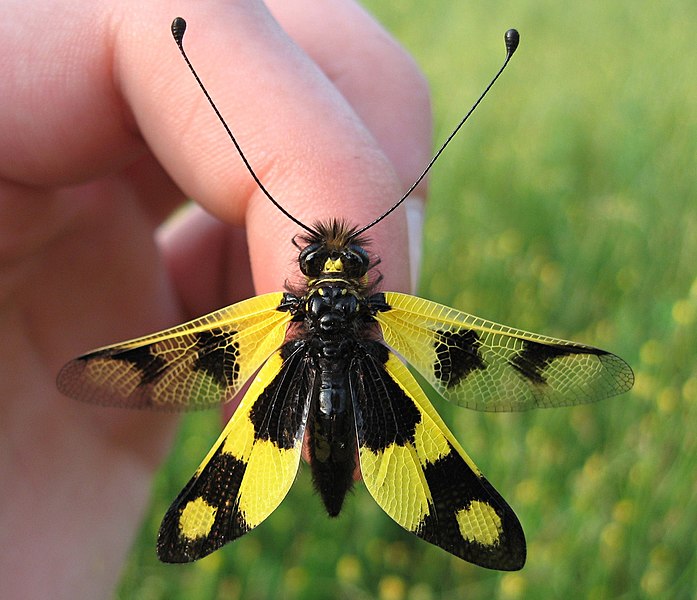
328	376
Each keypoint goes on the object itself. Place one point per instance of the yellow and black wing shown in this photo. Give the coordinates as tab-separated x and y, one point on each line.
418	473
486	366
195	365
250	468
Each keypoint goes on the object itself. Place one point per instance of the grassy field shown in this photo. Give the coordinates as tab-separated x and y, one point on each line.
567	206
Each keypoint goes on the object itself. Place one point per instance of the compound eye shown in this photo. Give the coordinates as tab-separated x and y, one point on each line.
312	260
356	261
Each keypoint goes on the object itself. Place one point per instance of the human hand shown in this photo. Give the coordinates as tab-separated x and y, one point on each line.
104	133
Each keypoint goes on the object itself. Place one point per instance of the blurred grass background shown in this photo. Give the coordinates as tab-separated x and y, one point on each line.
568	206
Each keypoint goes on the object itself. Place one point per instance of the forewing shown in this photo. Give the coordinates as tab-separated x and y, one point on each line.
419	474
486	366
250	468
195	365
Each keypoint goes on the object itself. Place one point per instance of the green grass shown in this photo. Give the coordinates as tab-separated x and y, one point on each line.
567	206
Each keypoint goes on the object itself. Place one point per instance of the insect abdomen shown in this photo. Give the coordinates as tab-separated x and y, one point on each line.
332	435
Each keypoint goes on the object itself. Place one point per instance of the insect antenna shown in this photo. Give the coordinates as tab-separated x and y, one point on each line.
178	30
512	39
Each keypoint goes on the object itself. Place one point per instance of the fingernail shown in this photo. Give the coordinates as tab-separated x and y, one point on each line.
414	210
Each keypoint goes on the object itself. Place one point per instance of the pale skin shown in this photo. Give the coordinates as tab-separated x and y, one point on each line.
103	133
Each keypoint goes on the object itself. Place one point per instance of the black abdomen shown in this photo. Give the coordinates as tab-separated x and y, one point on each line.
332	435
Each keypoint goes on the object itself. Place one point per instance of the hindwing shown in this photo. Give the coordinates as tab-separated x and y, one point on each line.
195	365
250	468
418	473
486	366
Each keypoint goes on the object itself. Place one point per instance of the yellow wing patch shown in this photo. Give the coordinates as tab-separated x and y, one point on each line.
483	365
420	476
479	523
197	519
195	365
248	471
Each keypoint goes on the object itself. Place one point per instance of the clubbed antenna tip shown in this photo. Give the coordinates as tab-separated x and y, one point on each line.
512	39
